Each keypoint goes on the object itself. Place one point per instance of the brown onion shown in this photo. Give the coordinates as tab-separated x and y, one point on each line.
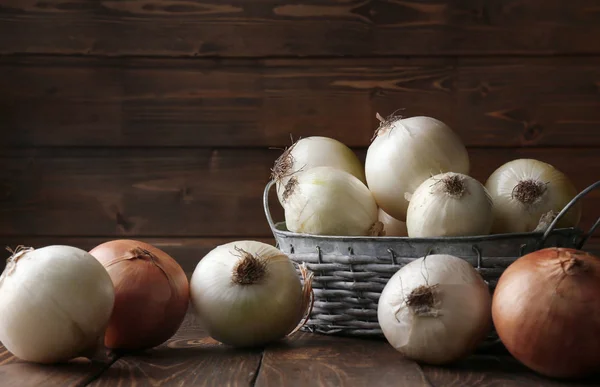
151	294
546	310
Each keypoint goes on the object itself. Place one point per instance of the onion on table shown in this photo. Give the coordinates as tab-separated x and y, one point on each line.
151	294
546	310
248	293
55	304
435	309
526	192
449	204
404	153
315	151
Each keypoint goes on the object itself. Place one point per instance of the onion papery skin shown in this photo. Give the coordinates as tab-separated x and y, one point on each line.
327	201
392	226
405	153
55	303
311	152
251	314
514	216
546	310
151	294
449	330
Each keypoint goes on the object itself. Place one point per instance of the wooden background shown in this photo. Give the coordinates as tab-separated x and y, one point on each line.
155	119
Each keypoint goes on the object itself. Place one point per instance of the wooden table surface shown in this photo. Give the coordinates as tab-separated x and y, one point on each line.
191	358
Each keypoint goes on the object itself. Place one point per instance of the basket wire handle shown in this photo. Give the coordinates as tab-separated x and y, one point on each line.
565	210
266	204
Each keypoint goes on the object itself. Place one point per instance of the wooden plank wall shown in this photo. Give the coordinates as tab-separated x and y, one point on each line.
155	119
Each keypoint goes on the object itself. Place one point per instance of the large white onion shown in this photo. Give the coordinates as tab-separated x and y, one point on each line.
248	293
315	151
407	151
392	226
435	309
55	304
449	204
525	190
328	201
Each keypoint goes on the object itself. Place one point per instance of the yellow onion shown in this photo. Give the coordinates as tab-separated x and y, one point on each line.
546	310
151	294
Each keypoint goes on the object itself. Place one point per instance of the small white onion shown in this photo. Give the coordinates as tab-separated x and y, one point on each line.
525	191
315	151
248	293
392	226
328	201
435	309
56	302
407	151
449	204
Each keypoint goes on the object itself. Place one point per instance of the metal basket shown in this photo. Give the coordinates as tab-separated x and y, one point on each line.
351	272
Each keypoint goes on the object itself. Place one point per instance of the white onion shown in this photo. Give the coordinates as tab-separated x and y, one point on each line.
525	191
313	152
435	309
248	293
407	151
392	226
449	204
328	201
55	303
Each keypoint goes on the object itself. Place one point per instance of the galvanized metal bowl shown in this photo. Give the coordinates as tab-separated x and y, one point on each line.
351	272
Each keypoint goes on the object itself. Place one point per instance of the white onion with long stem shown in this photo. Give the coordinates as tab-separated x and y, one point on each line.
328	201
526	191
435	309
391	226
315	151
55	304
248	293
450	204
407	151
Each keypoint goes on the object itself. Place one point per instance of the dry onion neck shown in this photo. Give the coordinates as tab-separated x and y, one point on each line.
423	301
572	264
283	165
377	229
529	191
16	254
385	124
249	270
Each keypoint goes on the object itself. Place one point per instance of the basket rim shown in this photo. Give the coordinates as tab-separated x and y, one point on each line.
276	229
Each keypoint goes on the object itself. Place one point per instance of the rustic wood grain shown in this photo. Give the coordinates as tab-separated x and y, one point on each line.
314	27
189	358
185	192
488	371
260	103
77	372
186	251
316	360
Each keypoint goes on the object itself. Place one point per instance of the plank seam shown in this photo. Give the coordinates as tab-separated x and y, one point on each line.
258	369
95	376
193	57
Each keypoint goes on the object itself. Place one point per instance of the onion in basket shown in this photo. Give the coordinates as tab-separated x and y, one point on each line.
392	226
525	190
315	151
436	309
327	201
407	151
449	204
